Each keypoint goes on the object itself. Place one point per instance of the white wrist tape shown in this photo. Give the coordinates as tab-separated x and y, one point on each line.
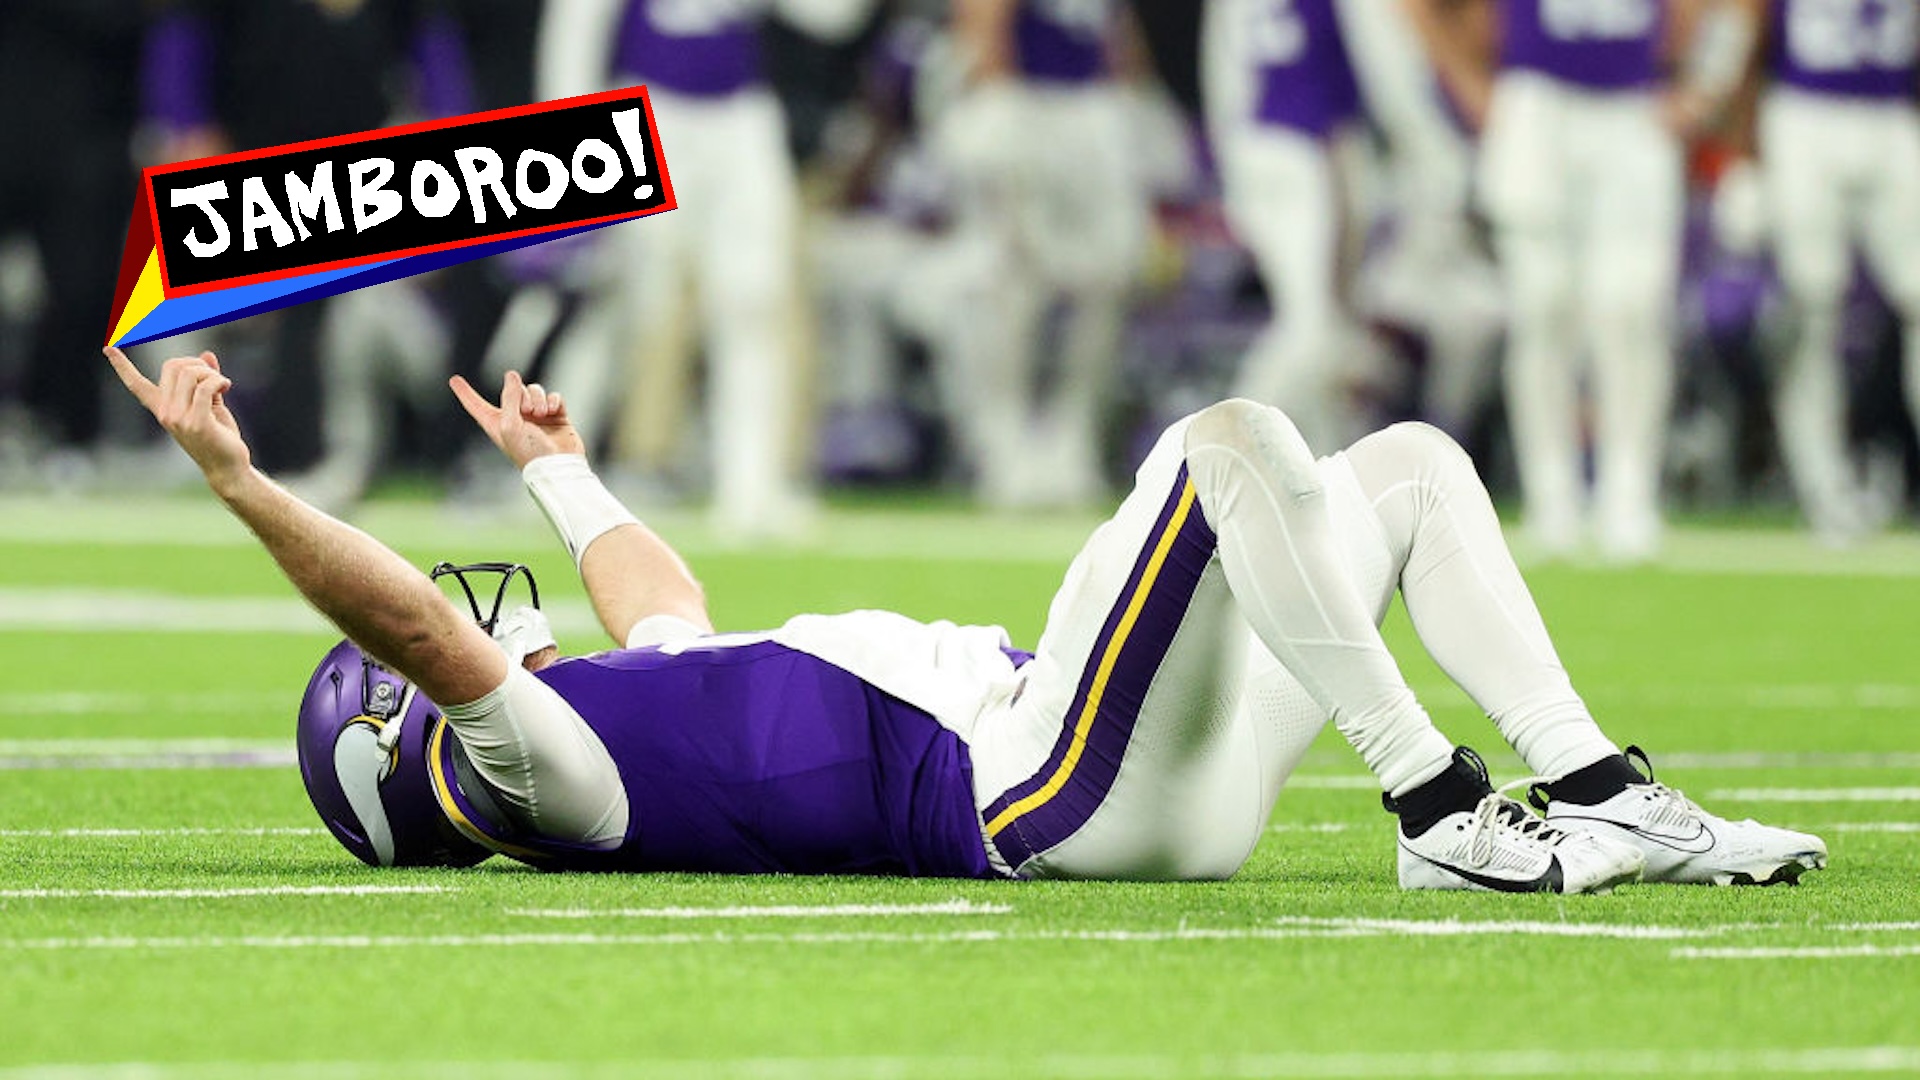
579	506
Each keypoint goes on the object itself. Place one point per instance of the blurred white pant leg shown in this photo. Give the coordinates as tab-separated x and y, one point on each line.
1466	598
1281	199
1806	161
1632	238
732	236
1526	187
1097	193
1215	736
1891	232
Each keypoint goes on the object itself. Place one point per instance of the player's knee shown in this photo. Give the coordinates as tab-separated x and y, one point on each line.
1257	433
1414	450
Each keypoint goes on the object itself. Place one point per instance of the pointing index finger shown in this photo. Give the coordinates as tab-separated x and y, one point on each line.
142	388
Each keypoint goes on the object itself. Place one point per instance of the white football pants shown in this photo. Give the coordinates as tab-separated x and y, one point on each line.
1585	192
1154	733
1839	172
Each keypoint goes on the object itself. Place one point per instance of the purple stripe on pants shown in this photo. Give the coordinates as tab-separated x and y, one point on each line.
1167	599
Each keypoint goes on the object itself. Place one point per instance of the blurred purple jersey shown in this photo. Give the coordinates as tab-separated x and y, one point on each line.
1305	77
1596	44
1062	41
756	758
1851	48
703	48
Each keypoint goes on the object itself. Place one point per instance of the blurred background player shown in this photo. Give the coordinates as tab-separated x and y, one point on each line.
1839	139
732	239
1581	174
1428	274
1037	140
1281	102
1288	83
69	78
385	350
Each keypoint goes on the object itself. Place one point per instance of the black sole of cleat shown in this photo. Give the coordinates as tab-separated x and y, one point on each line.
1787	873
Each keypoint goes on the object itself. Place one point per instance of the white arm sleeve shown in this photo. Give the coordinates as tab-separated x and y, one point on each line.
1401	91
573	53
543	761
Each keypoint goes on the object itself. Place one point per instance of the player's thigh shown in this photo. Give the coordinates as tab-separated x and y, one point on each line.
1283	205
1805	201
1112	761
1080	213
1153	770
1522	169
747	244
1891	212
1634	212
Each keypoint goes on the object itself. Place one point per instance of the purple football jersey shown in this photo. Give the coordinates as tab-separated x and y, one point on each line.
758	758
1852	48
1597	44
1063	41
704	48
1305	77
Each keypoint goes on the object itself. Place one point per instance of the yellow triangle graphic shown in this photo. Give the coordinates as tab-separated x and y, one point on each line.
145	297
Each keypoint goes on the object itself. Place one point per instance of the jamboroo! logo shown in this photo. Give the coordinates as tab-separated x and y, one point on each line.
222	238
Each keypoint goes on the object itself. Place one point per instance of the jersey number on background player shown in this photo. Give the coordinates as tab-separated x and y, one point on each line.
1599	20
1086	17
1852	35
1278	33
697	18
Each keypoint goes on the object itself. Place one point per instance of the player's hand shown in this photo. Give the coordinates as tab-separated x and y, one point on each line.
190	402
528	423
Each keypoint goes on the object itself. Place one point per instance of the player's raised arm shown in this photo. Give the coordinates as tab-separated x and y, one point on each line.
1454	32
632	576
372	594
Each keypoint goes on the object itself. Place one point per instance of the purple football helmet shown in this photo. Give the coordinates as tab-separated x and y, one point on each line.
363	755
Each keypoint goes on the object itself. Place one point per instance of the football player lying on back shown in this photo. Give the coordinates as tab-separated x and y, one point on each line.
1199	642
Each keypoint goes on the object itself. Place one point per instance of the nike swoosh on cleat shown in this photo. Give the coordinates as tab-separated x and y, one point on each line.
1698	844
1552	880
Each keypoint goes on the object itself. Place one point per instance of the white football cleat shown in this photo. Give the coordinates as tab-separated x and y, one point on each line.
1685	844
1499	846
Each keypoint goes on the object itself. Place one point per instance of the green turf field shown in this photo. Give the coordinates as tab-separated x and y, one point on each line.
193	920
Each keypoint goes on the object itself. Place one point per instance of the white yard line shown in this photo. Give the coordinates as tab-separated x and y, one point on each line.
775	911
94	834
1873	826
1464	928
1284	929
221	893
1313	827
1357	1065
1806	952
116	747
91	702
1818	795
